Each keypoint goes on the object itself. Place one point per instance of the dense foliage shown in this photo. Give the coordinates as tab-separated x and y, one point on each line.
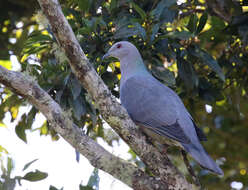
198	48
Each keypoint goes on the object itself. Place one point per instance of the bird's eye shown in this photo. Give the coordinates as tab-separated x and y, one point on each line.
119	46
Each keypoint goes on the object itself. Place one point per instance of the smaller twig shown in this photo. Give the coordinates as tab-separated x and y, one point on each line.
195	179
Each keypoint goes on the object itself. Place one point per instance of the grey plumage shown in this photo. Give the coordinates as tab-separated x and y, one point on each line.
156	108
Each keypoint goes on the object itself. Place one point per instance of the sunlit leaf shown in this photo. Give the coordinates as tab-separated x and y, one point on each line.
11	100
37	42
44	129
35	176
132	153
3	125
14	112
10	166
31	117
2	149
6	64
202	22
20	128
28	164
184	35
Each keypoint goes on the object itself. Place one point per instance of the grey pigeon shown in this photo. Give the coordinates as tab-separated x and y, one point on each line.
157	109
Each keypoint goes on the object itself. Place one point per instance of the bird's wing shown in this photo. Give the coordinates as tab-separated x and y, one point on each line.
172	131
200	134
154	106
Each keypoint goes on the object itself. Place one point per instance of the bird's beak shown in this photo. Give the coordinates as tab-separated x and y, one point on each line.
105	56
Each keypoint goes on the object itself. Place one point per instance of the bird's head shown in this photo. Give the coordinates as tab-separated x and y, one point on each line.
121	50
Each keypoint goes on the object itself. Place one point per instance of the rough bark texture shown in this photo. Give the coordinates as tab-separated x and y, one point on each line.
166	176
96	154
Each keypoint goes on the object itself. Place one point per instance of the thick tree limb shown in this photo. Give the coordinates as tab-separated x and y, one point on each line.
96	154
110	109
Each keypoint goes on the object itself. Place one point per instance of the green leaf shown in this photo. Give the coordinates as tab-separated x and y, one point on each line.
8	183
10	166
162	11
78	106
113	4
208	60
192	23
20	128
37	37
54	188
11	101
84	30
202	22
37	42
75	87
183	35
94	180
31	117
2	149
82	187
34	49
132	153
93	183
155	29
217	23
6	63
130	30
139	10
44	129
187	73
164	75
110	79
84	5
35	176
28	164
25	123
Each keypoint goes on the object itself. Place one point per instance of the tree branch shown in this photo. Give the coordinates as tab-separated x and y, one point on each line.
127	172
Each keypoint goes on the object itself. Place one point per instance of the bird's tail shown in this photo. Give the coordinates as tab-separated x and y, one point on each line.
201	156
